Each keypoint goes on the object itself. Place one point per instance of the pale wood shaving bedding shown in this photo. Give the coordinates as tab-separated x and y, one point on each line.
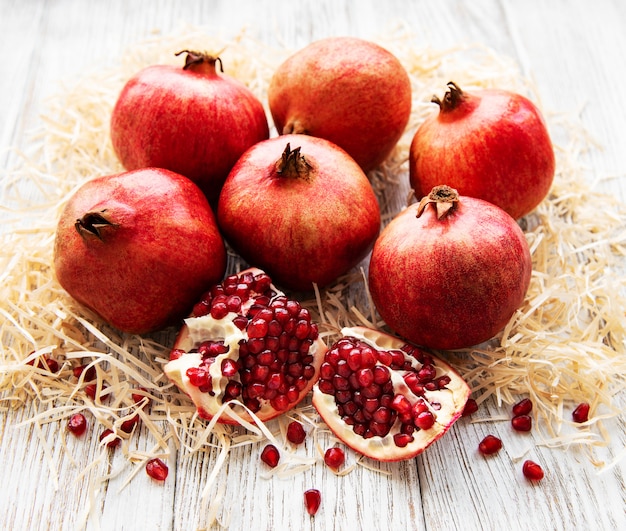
565	345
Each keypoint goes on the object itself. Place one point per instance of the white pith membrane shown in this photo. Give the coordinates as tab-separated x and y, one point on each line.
444	403
196	331
565	345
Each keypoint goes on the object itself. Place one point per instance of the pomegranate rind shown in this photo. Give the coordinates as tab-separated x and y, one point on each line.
452	399
194	331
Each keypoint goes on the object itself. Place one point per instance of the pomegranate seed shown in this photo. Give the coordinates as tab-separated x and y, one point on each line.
89	373
128	425
581	413
312	501
470	408
270	455
114	442
77	424
402	439
157	469
490	445
141	399
425	420
532	470
92	389
523	407
334	457
522	423
295	432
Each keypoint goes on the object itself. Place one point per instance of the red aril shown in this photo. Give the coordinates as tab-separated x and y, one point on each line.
490	144
77	424
449	272
490	445
347	90
295	432
110	439
312	501
138	248
157	469
523	407
334	457
532	470
270	455
299	208
581	413
192	120
522	423
470	408
375	392
246	349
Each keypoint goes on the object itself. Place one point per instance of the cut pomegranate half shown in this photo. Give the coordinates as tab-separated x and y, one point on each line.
246	348
385	398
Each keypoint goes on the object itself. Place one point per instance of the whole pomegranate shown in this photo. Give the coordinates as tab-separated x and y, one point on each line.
491	144
192	120
347	90
138	248
300	208
450	271
385	398
246	350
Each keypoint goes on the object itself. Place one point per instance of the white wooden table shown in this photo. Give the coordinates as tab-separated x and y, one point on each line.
575	54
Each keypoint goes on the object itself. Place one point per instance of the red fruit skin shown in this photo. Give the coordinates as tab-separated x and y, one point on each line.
494	146
196	122
347	90
452	282
299	230
145	272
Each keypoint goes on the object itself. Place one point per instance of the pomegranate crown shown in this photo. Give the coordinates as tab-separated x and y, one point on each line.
443	198
194	58
451	99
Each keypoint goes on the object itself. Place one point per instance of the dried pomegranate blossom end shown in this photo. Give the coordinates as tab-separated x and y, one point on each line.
443	199
292	164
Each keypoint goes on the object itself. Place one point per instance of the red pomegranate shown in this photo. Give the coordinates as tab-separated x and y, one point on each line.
138	248
490	144
385	398
300	208
246	350
347	90
449	272
193	120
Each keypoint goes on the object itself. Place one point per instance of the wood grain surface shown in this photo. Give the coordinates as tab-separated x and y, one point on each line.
575	53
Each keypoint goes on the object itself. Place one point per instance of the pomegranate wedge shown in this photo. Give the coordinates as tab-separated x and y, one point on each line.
385	398
245	349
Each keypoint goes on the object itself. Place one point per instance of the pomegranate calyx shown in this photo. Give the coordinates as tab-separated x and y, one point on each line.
93	223
451	99
201	61
293	164
443	198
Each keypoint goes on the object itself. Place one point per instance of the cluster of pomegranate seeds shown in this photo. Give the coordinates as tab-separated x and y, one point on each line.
532	470
359	377
274	363
312	501
157	469
490	445
77	424
521	420
295	432
581	413
270	455
334	458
